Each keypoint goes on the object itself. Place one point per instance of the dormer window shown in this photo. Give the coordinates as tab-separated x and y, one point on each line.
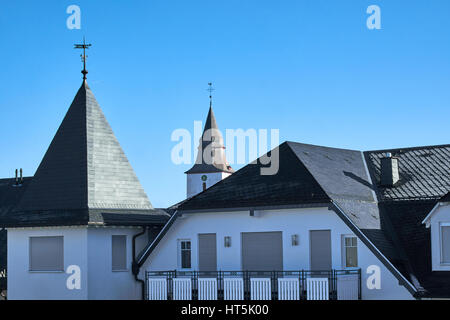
445	243
438	222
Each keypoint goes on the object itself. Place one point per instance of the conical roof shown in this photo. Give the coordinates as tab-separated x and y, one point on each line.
84	166
211	149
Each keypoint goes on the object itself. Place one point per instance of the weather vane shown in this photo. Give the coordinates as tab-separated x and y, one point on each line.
210	89
83	46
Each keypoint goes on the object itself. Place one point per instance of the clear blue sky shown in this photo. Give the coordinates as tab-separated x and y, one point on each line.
308	68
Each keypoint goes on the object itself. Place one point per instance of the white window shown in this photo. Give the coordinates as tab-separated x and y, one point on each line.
119	253
445	243
47	254
350	252
185	254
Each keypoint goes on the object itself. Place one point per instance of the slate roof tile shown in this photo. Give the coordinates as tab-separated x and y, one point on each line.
84	169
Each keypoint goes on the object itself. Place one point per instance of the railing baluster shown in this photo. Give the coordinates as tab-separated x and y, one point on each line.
341	284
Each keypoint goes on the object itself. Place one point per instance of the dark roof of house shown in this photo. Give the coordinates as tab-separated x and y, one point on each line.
211	140
10	194
293	184
389	217
84	177
424	179
445	198
424	172
414	239
345	179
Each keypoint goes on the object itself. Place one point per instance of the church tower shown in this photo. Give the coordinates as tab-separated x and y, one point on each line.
211	165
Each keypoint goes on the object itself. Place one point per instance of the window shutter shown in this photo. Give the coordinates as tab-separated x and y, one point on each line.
445	244
47	253
119	253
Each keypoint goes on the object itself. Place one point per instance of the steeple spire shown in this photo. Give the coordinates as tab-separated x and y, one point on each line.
211	149
83	46
211	165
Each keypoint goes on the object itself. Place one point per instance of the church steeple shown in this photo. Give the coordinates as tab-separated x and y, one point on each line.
211	164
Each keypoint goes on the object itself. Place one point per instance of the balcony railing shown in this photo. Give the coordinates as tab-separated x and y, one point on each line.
254	285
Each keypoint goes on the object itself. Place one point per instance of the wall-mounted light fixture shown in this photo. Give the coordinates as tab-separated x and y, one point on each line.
227	242
294	239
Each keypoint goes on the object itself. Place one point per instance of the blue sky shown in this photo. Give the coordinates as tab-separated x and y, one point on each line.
311	69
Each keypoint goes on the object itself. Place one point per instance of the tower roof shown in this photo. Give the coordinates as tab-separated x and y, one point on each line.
85	169
211	149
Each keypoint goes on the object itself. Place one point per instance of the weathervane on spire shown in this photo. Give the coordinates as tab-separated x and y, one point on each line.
210	89
83	46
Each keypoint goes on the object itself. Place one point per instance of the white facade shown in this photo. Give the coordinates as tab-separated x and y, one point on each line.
86	247
195	181
166	255
438	218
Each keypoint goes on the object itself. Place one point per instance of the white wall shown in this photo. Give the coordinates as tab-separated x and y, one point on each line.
25	284
90	249
195	182
298	221
103	282
440	215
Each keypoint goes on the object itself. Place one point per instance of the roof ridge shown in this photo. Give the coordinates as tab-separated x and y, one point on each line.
319	146
411	148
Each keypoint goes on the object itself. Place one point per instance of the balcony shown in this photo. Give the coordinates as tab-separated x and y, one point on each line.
254	285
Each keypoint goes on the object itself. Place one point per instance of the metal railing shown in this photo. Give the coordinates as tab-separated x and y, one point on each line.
337	283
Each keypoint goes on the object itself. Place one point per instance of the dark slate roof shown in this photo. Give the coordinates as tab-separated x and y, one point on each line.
10	194
211	140
424	172
445	198
415	240
293	184
84	176
424	179
345	179
389	217
84	167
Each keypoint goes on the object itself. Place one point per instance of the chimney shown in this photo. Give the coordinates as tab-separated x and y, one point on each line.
21	176
17	177
389	170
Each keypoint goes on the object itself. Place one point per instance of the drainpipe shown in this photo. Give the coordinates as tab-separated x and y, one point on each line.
135	266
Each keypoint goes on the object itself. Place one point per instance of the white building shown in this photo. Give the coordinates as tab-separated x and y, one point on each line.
330	224
350	218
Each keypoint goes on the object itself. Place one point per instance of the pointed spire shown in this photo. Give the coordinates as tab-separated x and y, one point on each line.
211	150
84	166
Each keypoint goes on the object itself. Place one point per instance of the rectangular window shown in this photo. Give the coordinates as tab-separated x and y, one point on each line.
445	244
350	252
47	253
119	253
185	254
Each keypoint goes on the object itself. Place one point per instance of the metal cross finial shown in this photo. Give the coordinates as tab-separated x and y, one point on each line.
210	89
83	46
